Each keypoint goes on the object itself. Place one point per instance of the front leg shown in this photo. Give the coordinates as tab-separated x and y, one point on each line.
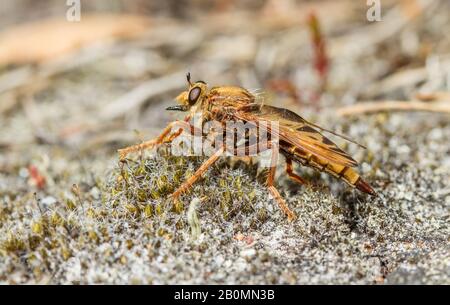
164	137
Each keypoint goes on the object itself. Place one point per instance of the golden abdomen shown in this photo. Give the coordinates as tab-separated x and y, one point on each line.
349	175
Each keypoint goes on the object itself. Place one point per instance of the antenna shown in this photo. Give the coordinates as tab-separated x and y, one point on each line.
188	77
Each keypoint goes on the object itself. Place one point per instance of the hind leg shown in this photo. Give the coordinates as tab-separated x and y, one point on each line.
271	176
272	189
292	175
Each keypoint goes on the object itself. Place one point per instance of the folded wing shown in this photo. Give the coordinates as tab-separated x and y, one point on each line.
297	131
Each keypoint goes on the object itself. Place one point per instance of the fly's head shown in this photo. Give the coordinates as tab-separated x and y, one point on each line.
192	99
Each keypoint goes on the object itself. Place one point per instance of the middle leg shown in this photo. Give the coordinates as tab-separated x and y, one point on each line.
291	173
203	168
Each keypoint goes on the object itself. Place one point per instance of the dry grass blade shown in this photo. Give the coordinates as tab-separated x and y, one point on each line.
389	106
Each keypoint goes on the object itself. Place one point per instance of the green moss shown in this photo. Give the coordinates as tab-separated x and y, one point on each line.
13	244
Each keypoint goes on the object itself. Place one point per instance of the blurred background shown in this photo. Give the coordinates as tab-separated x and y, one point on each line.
86	85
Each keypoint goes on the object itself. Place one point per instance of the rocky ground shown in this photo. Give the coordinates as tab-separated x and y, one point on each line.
70	212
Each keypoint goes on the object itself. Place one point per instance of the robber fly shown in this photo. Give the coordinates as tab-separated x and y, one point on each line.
298	140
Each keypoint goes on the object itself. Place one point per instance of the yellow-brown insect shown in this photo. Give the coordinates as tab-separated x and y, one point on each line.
298	139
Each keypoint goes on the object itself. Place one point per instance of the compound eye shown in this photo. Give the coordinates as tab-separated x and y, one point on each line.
194	94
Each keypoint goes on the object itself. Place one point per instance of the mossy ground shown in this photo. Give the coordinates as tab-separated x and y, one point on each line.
122	228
